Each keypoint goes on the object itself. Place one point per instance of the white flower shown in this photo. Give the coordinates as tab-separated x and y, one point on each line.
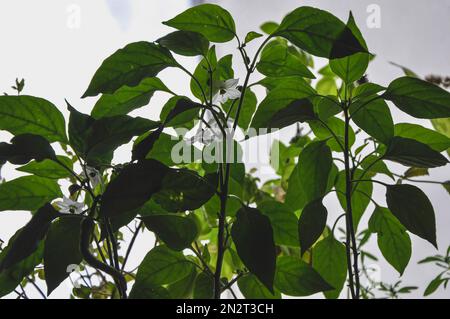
227	90
209	132
68	206
93	175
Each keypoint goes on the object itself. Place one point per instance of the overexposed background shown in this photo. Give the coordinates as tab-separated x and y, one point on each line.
57	46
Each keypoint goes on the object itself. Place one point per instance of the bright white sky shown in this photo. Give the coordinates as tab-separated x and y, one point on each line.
42	44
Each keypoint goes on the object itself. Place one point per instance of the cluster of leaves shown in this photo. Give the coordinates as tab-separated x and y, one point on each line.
214	226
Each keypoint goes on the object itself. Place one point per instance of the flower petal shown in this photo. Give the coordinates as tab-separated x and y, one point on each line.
231	83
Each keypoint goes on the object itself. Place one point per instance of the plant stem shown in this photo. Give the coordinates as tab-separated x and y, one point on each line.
350	233
225	176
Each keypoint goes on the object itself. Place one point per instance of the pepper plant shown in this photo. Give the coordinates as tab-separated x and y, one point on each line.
214	226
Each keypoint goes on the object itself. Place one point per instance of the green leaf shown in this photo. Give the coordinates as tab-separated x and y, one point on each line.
27	193
419	98
287	92
141	290
252	35
362	192
247	109
204	286
129	66
12	277
433	139
182	110
29	114
338	127
353	67
375	168
27	240
176	232
61	251
311	224
183	289
319	33
225	67
184	189
96	140
201	74
185	43
283	222
253	236
330	261
295	278
161	266
314	165
252	288
212	21
443	127
127	99
367	89
410	152
373	118
24	148
134	186
393	240
327	86
434	285
413	209
277	61
326	107
48	168
414	172
269	27
165	149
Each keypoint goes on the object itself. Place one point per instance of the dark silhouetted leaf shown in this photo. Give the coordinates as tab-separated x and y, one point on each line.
352	68
26	147
12	277
27	239
283	222
311	224
183	190
413	209
133	187
176	232
253	237
61	250
410	152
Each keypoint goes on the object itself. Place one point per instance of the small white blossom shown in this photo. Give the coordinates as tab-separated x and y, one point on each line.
227	90
209	132
93	175
68	206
